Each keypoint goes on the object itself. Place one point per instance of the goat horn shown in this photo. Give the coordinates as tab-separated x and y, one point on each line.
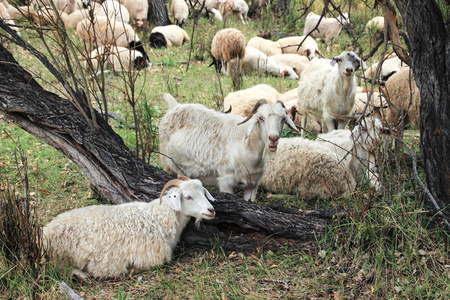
169	184
282	104
184	178
254	110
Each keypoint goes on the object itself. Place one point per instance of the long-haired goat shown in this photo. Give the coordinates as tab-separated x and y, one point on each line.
220	149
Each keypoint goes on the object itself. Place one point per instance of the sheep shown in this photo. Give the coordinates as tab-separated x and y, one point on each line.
169	35
309	48
236	7
327	90
268	47
216	13
242	102
6	17
388	68
375	25
328	28
114	10
255	60
180	11
403	94
375	104
220	149
72	20
105	241
67	6
323	168
297	62
138	10
119	58
103	31
227	44
290	100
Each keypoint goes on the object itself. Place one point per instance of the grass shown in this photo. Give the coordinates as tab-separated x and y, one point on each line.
392	248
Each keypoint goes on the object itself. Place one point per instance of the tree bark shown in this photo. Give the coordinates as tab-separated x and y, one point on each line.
122	177
430	41
157	13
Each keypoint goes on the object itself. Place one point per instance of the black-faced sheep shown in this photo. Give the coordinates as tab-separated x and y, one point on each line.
118	58
180	11
172	34
111	240
227	44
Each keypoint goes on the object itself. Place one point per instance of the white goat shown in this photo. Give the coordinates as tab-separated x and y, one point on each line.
327	90
329	166
328	28
111	240
220	149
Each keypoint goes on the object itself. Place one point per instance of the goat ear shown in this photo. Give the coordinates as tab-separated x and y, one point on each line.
209	196
307	52
291	124
252	123
334	60
363	65
174	200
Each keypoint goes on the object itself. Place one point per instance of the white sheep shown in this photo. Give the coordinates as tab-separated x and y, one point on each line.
180	11
67	6
103	31
327	90
236	7
138	10
375	25
388	68
257	61
220	149
268	47
111	240
72	20
114	10
119	58
4	14
375	105
297	62
309	48
327	167
169	35
328	28
242	102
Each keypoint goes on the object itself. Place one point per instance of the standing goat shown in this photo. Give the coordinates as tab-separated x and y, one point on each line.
220	149
327	90
111	240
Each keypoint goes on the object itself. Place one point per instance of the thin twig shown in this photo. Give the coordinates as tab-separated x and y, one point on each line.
422	185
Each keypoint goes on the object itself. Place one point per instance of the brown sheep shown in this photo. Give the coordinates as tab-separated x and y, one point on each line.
399	91
226	45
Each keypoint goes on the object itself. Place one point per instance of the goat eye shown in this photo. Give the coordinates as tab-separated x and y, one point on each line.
189	198
261	119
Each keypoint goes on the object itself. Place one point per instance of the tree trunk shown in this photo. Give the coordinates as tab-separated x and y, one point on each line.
157	13
431	66
122	177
